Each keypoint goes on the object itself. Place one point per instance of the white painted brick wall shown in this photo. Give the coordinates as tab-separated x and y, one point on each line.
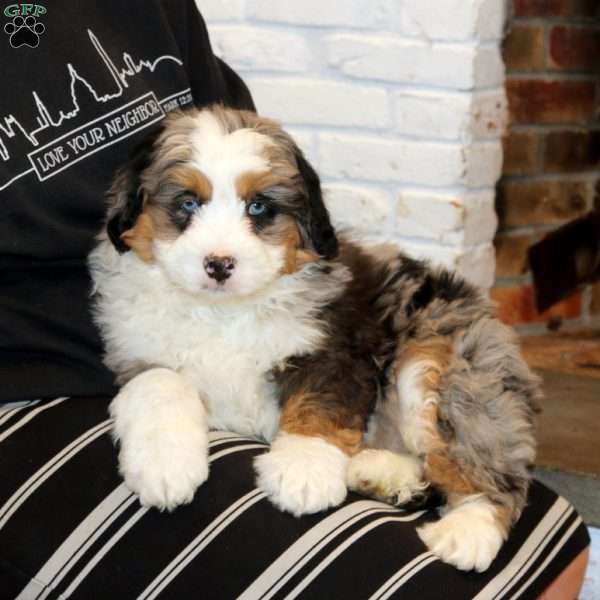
312	101
399	104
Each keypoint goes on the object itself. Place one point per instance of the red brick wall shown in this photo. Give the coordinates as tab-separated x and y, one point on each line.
552	150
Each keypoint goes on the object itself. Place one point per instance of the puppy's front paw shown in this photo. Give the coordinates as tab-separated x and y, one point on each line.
302	474
164	474
161	425
468	536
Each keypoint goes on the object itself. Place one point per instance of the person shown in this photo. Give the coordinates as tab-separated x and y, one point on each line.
82	84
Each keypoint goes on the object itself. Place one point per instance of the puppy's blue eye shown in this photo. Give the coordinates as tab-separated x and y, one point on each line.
256	208
190	204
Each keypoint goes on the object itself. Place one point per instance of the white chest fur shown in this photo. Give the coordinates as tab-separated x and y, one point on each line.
226	350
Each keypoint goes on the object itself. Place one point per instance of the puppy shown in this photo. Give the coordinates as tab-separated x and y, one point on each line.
226	301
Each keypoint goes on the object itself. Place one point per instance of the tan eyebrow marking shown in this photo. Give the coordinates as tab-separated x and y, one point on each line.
192	180
252	182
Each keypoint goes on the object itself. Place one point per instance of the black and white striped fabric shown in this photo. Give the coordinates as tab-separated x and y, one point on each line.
69	528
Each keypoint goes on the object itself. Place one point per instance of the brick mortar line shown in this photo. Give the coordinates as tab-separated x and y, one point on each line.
390	133
394	188
587	176
541	152
409	185
331	74
553	127
373	31
555	20
552	76
546	50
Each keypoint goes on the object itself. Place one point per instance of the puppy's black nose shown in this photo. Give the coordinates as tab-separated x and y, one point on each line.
219	267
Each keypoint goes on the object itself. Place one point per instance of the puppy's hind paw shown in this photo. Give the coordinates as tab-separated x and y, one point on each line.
467	537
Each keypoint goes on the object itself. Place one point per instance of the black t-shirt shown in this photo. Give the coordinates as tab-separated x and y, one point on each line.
82	82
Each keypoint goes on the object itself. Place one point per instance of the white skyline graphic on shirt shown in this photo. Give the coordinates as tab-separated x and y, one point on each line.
10	125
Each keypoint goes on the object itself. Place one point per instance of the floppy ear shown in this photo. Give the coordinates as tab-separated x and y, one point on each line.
316	221
126	197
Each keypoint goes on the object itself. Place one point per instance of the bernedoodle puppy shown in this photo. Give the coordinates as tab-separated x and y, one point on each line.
226	301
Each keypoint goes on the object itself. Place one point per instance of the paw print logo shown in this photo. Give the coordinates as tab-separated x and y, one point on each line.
24	31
